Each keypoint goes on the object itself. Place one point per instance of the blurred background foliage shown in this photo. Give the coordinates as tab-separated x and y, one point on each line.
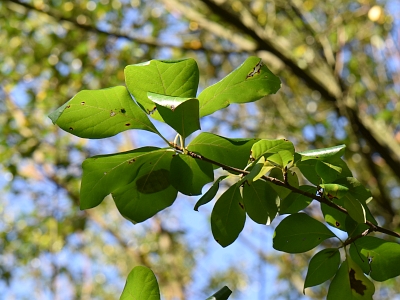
339	62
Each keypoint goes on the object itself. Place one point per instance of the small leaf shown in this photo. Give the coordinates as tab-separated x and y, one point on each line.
182	114
260	202
210	194
299	233
378	258
324	153
269	147
222	294
322	266
190	174
230	152
295	202
228	216
255	172
150	192
249	82
350	283
141	284
354	208
104	174
101	113
176	78
334	190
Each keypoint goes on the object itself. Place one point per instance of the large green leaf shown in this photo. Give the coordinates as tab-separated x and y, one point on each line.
210	194
182	114
307	168
178	78
350	283
151	190
322	266
228	216
141	284
249	82
104	174
230	152
189	175
378	258
260	202
299	233
101	113
354	208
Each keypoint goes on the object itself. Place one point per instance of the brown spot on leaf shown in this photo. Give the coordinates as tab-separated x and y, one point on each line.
68	106
356	284
128	124
131	161
123	110
83	103
112	113
241	205
337	224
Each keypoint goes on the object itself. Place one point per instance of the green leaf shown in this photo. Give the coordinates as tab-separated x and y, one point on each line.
101	113
182	114
354	208
228	216
307	168
249	82
378	258
282	158
151	190
269	147
350	283
334	190
256	171
141	284
295	202
324	153
177	78
260	202
210	194
190	174
222	294
336	218
322	266
104	174
328	172
230	152
299	233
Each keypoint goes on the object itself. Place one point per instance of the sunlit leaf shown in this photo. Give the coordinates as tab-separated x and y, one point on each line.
299	233
101	113
177	78
354	208
260	202
182	114
324	153
190	174
230	152
249	82
378	258
141	284
228	216
322	267
104	174
350	283
151	190
269	147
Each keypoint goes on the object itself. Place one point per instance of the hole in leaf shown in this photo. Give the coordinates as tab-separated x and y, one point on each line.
256	70
337	224
112	113
131	161
83	103
153	182
71	128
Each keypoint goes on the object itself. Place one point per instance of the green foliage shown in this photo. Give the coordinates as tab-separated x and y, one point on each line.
263	174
